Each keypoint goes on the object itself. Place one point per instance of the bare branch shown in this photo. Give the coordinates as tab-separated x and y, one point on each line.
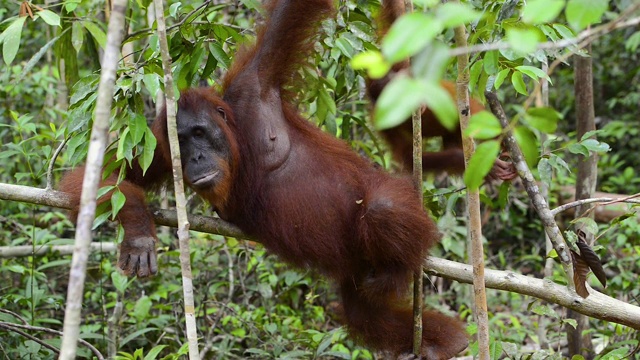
39	250
59	333
539	203
92	177
597	305
52	163
178	184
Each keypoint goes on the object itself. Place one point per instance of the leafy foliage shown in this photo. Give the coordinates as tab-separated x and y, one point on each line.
248	304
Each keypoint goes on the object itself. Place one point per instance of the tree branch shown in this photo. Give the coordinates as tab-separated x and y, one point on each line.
597	305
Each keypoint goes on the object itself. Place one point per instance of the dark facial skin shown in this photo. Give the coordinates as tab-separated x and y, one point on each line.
203	148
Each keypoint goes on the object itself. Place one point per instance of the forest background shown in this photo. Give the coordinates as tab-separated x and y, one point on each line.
250	305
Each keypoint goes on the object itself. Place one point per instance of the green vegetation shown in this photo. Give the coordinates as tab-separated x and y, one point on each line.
248	304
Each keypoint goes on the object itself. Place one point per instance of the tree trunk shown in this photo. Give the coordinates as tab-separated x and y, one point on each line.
579	341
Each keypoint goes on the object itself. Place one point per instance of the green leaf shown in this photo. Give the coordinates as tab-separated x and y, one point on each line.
455	14
572	322
123	149
104	190
542	11
142	307
595	145
86	86
71	5
523	41
633	42
582	13
518	83
117	202
153	353
559	164
119	282
152	83
579	149
345	46
475	72
534	73
77	35
408	35
495	350
96	32
11	39
491	65
36	58
373	62
544	119
150	144
564	31
440	102
397	101
49	17
500	78
137	334
527	141
137	127
483	125
545	170
327	100
481	163
219	54
404	95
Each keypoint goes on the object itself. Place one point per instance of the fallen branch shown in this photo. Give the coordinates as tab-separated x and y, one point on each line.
597	305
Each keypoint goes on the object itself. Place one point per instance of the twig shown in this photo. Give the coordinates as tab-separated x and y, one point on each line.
52	163
585	35
31	337
17	316
230	269
52	331
603	201
176	25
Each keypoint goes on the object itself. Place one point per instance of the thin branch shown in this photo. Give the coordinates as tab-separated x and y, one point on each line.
40	250
586	35
603	201
17	316
92	177
59	199
52	163
474	230
176	25
83	342
178	184
418	279
30	337
539	203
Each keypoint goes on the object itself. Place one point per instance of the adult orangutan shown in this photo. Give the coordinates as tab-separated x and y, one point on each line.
303	193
